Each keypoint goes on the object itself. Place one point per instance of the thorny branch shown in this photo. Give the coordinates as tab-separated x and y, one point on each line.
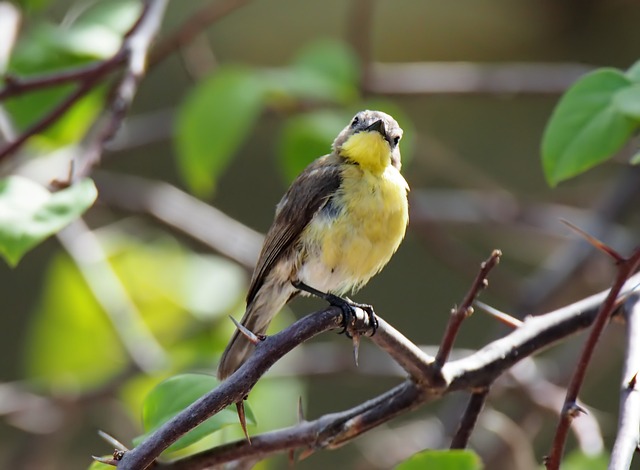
628	435
474	372
571	409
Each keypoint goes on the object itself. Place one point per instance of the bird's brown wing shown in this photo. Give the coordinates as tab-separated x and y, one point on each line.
309	192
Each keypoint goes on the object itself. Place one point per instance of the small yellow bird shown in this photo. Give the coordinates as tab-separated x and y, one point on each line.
338	225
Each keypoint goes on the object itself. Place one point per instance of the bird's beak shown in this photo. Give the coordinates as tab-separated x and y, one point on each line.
378	126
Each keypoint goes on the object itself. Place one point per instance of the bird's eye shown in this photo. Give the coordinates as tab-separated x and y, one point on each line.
355	121
396	140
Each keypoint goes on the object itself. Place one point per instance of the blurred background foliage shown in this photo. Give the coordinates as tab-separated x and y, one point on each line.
97	317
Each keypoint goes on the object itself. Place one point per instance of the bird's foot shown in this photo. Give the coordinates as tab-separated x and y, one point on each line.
347	306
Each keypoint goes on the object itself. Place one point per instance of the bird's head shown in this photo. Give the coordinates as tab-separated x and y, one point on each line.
371	140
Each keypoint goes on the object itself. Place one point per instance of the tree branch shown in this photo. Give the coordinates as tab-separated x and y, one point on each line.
628	436
478	370
571	409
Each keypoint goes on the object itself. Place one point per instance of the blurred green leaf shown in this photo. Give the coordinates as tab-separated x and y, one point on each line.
442	460
176	393
306	137
635	159
29	213
96	34
116	15
213	122
586	127
71	345
578	461
100	466
633	73
333	59
627	101
323	71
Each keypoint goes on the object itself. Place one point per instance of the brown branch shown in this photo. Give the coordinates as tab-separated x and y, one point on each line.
136	45
571	409
133	50
50	118
469	419
232	390
16	86
473	372
183	212
628	436
459	314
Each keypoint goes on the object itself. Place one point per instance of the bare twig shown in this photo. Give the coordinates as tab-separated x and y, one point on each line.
473	372
232	390
183	212
426	78
571	409
133	50
469	419
628	435
136	47
16	86
465	309
87	253
50	118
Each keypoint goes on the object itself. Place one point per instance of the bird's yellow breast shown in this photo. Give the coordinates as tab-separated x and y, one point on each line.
371	219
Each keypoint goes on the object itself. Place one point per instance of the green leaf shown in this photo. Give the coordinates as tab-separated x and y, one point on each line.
308	136
627	101
323	71
635	159
442	460
633	73
101	466
29	213
586	127
176	393
70	346
578	461
214	120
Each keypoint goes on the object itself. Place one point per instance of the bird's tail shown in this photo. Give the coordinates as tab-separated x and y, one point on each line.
256	319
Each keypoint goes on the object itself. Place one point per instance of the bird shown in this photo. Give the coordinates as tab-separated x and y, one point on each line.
338	225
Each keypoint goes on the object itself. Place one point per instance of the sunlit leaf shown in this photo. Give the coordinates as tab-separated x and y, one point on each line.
586	127
579	461
176	393
308	136
324	71
634	72
213	121
71	345
29	213
100	466
442	460
627	101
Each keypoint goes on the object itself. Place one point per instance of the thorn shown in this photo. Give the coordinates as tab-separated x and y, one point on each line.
255	339
301	417
573	410
243	420
498	315
112	440
632	383
606	249
106	460
306	453
356	346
